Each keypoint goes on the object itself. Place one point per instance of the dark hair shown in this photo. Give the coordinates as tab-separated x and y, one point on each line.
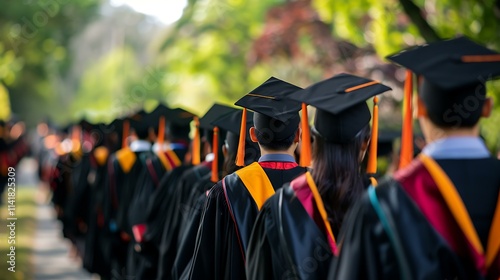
453	108
252	153
177	132
275	145
336	172
142	134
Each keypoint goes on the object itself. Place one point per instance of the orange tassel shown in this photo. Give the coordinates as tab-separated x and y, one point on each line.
126	127
161	132
372	156
240	156
76	135
305	150
196	143
215	150
406	155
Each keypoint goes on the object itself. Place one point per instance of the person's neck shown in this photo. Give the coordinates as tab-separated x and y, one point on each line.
438	133
270	152
290	151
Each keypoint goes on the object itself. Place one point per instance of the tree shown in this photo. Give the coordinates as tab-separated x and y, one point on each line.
33	52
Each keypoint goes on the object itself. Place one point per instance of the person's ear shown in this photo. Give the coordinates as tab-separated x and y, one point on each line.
421	109
298	135
253	135
487	108
224	151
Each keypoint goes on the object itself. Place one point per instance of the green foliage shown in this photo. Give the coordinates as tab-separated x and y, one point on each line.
205	55
388	28
34	37
4	103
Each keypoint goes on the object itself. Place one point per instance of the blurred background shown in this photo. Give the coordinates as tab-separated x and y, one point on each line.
66	60
62	61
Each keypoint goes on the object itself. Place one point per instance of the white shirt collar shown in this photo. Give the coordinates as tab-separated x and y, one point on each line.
140	146
457	148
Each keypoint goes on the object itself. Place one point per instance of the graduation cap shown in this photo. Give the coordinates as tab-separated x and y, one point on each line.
453	71
180	117
341	105
158	119
117	126
276	117
205	122
451	64
231	122
178	123
341	109
215	112
140	122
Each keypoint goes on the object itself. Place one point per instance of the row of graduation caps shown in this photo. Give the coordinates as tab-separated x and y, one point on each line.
340	102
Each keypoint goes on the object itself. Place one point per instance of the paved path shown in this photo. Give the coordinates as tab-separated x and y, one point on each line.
51	258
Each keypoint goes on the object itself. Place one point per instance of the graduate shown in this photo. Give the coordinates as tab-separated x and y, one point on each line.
154	192
124	169
176	215
94	259
294	236
78	197
212	144
438	217
234	202
193	204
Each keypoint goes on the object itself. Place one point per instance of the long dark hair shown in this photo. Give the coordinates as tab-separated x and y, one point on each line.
336	172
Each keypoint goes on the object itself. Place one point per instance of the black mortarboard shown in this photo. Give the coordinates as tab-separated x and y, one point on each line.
115	126
140	122
159	111
454	71
451	64
276	117
179	117
341	105
215	112
213	133
232	121
157	119
178	123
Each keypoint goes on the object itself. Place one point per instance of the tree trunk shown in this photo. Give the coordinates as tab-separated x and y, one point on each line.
415	15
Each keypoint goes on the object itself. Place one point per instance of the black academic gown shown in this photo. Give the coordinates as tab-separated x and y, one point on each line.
392	233
228	217
124	170
77	207
176	216
288	241
146	208
95	259
61	186
192	211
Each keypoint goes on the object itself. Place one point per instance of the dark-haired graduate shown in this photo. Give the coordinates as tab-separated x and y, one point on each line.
294	235
234	202
193	204
439	217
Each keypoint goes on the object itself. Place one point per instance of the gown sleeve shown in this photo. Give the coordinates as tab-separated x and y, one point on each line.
217	253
